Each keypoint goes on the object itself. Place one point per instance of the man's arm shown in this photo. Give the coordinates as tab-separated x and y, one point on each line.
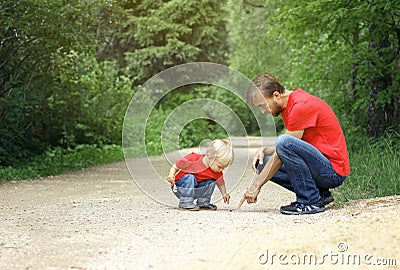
259	156
272	166
297	133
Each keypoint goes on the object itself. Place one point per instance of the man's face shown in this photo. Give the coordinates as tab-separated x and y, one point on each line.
268	104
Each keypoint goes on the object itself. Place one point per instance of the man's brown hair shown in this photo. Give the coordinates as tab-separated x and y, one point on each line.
266	84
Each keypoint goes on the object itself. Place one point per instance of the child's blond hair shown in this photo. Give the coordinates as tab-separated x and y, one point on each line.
221	150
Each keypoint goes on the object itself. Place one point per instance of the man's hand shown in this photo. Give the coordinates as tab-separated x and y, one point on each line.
251	197
258	159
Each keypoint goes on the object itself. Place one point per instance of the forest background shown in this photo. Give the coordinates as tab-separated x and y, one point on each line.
68	70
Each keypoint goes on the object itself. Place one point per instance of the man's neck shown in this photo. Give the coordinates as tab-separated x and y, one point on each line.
285	97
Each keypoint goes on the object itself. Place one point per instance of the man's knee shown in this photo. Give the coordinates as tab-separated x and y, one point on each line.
284	144
282	141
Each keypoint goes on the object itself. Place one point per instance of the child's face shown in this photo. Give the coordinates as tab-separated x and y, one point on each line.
216	166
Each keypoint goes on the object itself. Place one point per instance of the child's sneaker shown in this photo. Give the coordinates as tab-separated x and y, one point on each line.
189	208
301	208
210	206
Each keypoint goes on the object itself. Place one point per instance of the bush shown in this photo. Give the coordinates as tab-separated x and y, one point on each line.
375	169
203	108
58	160
89	101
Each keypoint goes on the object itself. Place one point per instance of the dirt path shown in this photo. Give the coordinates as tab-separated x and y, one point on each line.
98	218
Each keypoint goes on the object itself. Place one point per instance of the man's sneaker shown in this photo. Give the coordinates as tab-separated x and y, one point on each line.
301	208
327	199
208	207
326	196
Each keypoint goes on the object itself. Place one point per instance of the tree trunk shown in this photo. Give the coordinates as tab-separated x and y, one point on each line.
379	83
376	112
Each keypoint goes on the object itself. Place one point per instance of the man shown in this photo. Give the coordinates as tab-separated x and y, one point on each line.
310	158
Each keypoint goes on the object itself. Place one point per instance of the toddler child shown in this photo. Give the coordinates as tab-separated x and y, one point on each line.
194	176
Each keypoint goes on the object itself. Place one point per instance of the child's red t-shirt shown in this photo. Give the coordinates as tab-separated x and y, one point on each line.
321	127
193	164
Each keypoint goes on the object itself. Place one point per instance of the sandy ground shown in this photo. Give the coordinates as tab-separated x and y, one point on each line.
98	218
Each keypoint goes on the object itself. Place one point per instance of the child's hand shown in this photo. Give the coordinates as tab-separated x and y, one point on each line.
171	179
226	198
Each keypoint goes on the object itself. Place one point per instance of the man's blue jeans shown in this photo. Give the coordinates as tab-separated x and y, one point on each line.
188	189
305	170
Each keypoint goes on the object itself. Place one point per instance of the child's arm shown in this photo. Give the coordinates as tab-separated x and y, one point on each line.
172	172
225	195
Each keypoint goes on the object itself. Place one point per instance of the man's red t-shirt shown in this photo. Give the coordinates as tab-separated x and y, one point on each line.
320	125
193	164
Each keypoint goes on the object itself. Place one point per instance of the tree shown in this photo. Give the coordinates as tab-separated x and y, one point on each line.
253	50
69	68
349	50
156	35
32	32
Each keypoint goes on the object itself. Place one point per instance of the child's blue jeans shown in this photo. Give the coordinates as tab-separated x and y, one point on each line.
305	170
188	189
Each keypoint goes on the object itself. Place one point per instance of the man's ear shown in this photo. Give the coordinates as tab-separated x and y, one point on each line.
276	94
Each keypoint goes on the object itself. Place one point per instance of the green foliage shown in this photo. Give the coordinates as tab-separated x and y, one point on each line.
31	32
59	160
193	133
202	130
346	52
375	169
12	126
92	110
227	98
161	34
62	65
253	50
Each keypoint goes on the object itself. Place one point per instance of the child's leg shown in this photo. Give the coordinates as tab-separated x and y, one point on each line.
185	191
203	192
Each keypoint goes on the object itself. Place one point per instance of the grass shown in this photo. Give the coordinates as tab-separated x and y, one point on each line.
375	171
57	160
